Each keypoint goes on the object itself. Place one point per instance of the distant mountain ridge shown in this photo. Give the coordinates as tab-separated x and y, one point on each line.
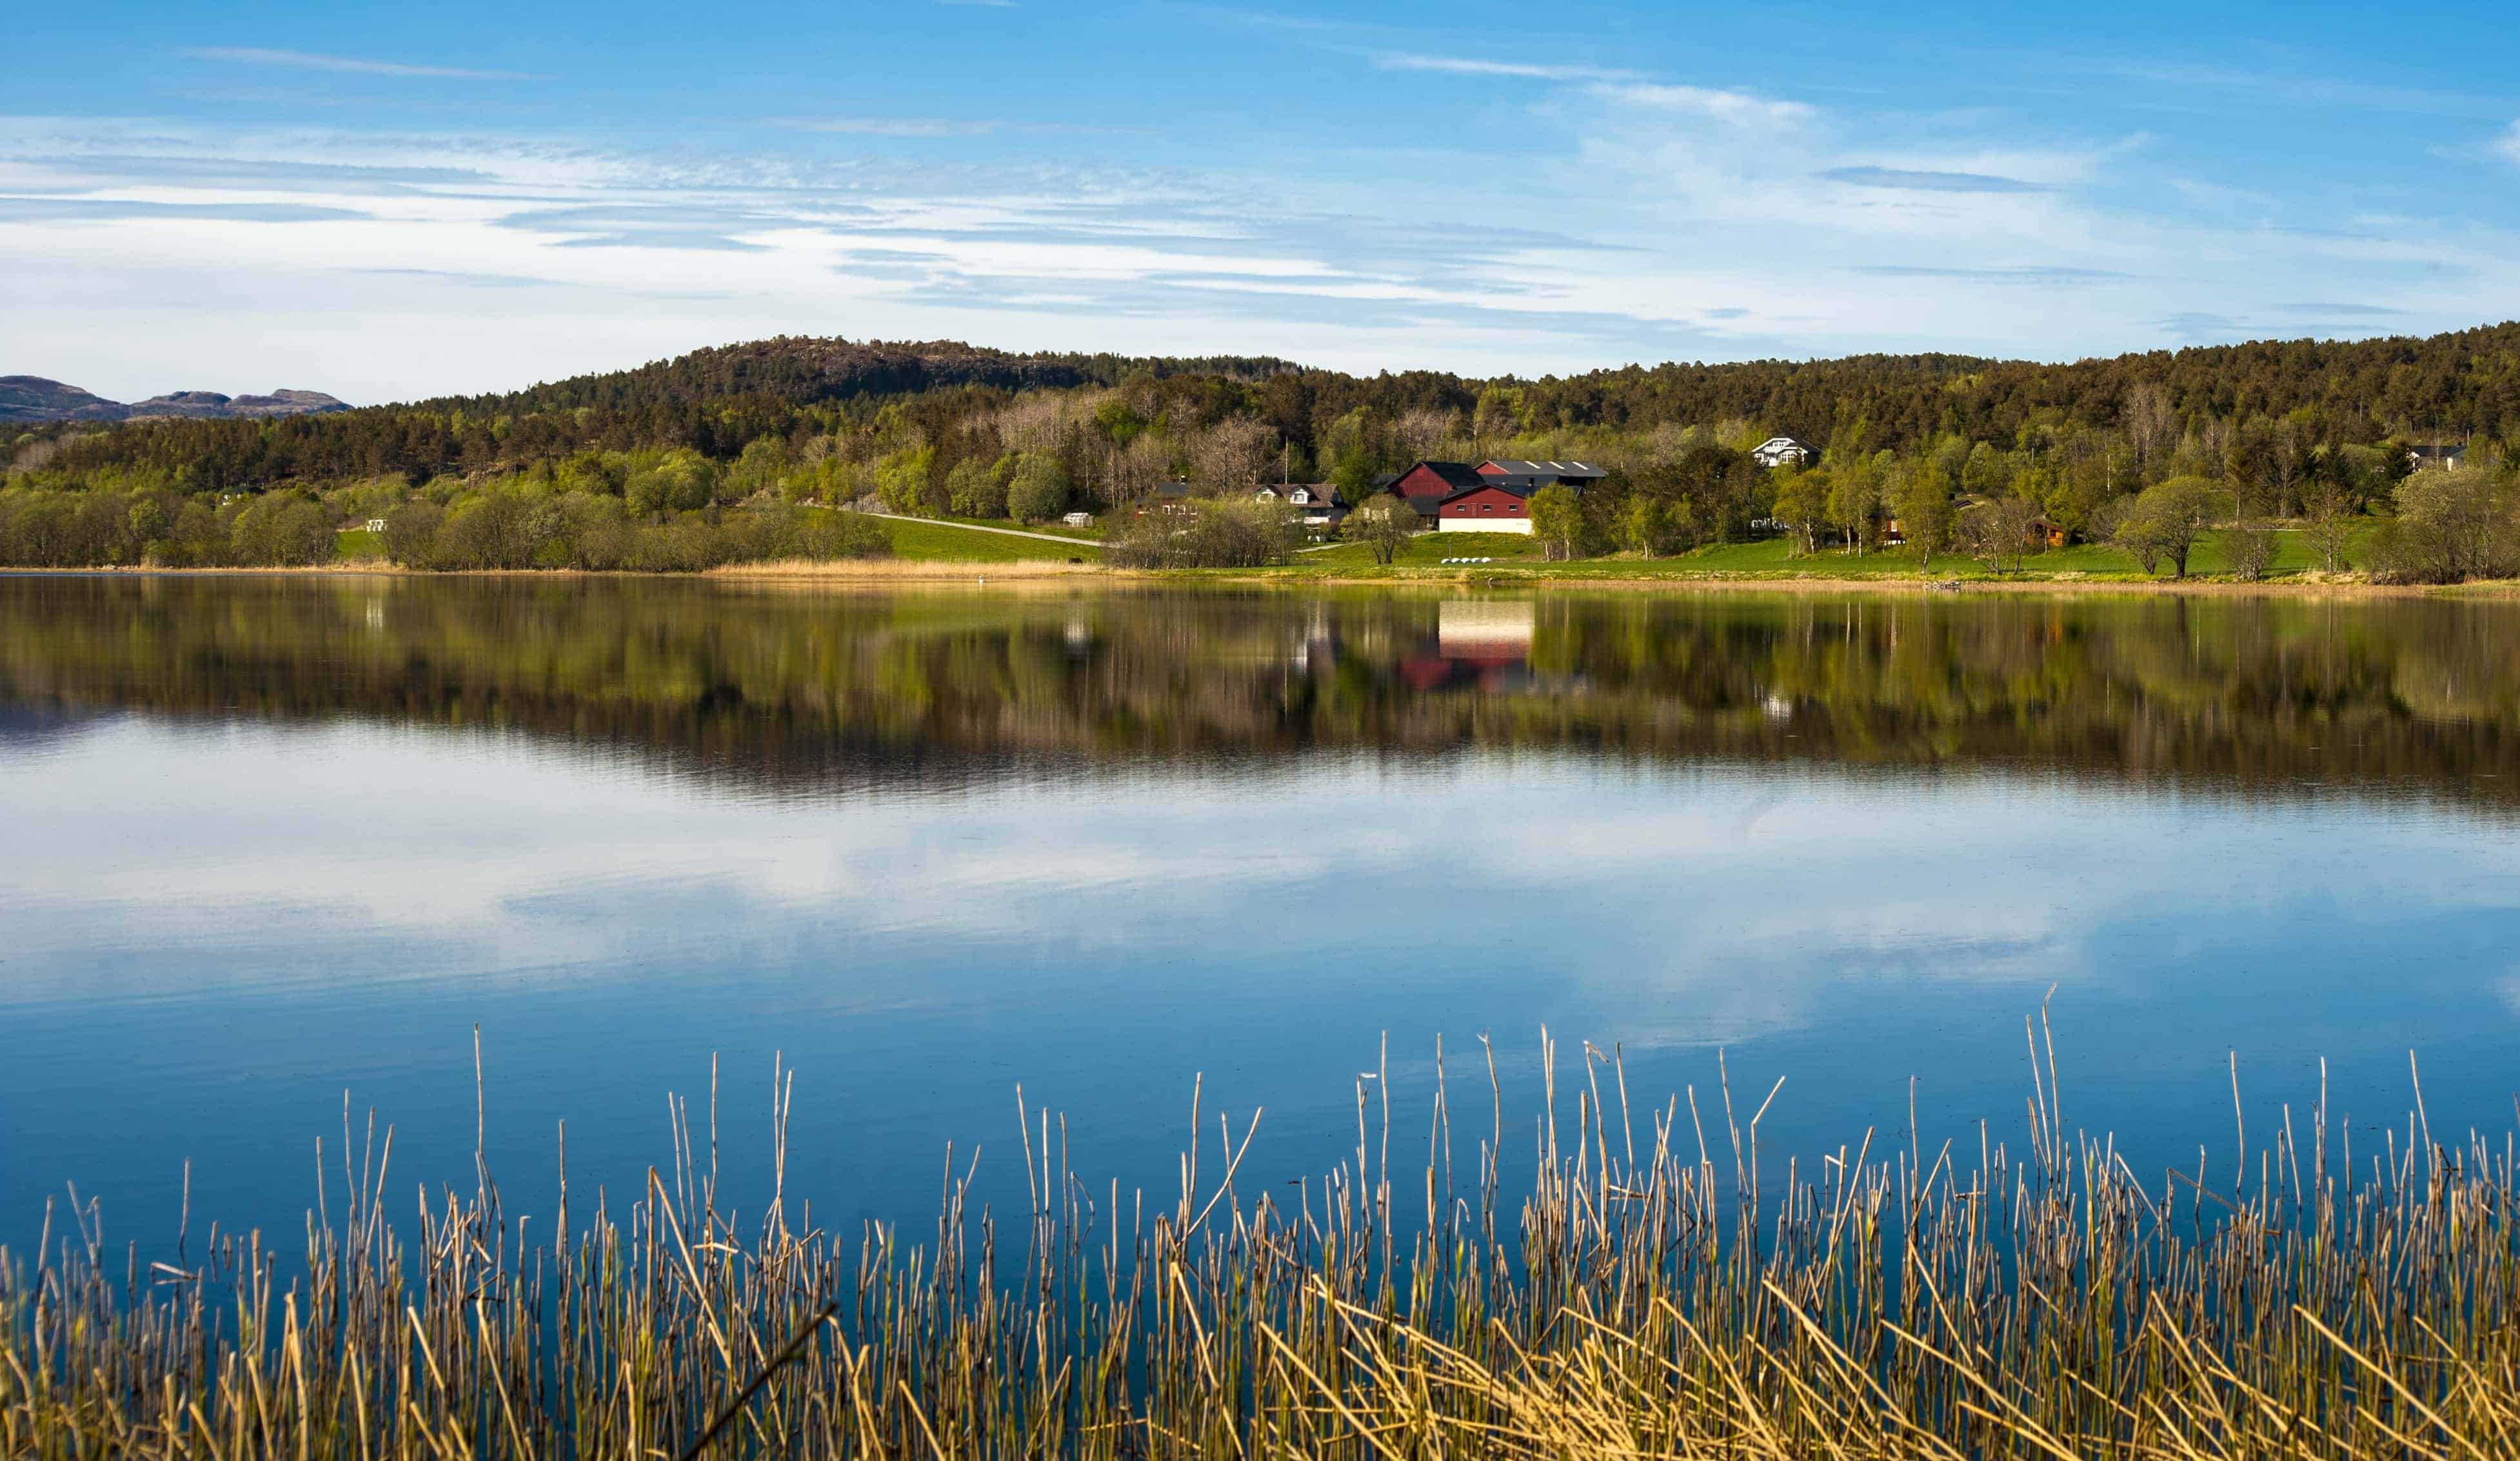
30	400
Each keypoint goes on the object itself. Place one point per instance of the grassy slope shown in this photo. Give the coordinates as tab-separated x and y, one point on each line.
1055	529
920	541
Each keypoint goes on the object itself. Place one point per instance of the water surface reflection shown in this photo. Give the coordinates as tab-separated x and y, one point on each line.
271	838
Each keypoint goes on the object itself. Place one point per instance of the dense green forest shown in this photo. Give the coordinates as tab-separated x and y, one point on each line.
723	455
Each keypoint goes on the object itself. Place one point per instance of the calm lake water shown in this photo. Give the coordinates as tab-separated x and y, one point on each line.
266	841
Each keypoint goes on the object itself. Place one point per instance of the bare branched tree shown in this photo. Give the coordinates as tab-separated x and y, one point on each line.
1131	471
1235	455
2150	427
1423	432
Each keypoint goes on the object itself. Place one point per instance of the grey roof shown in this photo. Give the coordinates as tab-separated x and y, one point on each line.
1554	470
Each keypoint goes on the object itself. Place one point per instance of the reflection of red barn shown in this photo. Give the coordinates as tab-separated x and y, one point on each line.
1477	641
1425	673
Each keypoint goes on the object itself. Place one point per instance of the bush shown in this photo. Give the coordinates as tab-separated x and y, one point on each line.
2450	527
1213	533
411	533
905	480
682	481
2249	549
1040	489
2164	521
975	489
281	529
1383	523
509	526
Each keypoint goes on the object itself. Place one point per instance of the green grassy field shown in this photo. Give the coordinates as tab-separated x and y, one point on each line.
919	540
939	541
1775	558
1055	529
1429	550
358	543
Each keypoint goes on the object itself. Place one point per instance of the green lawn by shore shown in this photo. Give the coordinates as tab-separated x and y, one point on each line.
1439	555
1774	558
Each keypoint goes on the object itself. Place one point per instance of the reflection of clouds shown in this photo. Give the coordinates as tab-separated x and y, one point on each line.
1692	907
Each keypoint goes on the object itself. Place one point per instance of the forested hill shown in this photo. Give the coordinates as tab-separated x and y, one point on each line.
805	369
872	396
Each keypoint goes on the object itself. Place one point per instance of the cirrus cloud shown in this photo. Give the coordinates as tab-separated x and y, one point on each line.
1919	180
308	61
1467	65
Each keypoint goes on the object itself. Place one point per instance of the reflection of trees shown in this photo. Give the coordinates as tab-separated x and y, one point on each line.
791	689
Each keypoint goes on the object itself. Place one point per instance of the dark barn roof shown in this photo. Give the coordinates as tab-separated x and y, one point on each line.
1551	471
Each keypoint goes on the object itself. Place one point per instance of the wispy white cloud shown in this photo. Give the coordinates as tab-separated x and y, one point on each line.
117	209
1916	180
2509	144
1739	108
943	126
1686	221
2002	274
311	61
1465	66
889	127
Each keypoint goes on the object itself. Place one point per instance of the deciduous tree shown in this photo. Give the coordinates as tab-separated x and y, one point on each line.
1383	523
1558	521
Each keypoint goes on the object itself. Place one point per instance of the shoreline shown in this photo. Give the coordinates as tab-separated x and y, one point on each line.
878	571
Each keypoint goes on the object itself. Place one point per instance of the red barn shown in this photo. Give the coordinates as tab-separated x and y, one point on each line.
1425	484
1490	497
1496	509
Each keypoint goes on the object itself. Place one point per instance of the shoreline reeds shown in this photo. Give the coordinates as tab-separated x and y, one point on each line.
1641	1288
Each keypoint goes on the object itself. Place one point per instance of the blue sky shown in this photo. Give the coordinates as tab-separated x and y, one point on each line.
390	203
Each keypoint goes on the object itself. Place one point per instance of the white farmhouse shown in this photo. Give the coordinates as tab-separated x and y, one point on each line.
1780	451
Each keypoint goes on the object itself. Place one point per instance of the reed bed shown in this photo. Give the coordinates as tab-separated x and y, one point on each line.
1642	1289
915	569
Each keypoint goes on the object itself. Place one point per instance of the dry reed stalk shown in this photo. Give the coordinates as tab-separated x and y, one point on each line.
1631	1304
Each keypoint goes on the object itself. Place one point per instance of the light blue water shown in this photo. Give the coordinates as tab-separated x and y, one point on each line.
217	921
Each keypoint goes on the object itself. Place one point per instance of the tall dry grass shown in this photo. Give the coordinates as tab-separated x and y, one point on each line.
907	569
1648	1289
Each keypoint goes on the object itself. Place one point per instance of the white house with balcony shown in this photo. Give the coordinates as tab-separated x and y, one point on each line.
1784	451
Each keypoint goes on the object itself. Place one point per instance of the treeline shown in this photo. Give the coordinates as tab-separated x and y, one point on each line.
2458	386
656	512
1940	451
